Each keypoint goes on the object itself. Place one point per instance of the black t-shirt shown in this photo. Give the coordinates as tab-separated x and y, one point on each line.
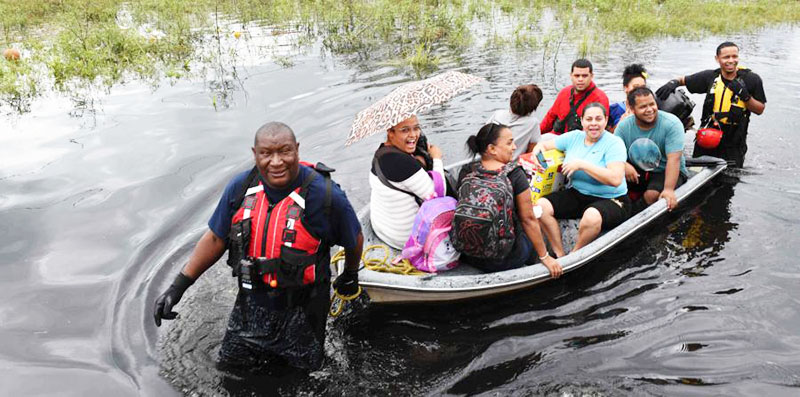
519	180
517	176
520	184
700	83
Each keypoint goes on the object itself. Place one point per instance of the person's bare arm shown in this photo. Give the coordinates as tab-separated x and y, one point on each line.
206	253
531	226
671	179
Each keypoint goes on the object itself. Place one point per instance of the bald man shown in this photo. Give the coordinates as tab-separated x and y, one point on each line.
278	222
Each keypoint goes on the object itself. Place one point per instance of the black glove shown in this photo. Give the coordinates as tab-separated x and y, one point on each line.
170	298
665	90
739	89
347	283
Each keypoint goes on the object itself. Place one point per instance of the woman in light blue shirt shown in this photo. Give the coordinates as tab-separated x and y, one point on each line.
597	193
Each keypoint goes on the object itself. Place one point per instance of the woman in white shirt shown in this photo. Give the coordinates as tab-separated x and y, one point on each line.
399	182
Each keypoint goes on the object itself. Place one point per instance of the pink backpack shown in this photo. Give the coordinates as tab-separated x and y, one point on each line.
429	248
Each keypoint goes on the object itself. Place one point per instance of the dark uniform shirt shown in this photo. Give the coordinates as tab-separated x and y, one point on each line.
733	145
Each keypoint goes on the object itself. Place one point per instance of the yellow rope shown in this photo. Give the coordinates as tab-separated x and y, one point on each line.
375	264
338	301
386	266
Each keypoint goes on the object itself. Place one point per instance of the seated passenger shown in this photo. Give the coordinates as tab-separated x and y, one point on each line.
399	182
520	118
633	76
481	238
594	162
664	131
564	114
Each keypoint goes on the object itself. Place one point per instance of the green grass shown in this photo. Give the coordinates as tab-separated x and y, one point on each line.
75	45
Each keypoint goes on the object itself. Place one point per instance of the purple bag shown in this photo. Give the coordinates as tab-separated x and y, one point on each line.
429	248
438	185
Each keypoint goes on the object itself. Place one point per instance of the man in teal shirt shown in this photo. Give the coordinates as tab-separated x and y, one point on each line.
666	131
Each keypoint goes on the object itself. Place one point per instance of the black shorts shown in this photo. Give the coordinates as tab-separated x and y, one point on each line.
653	181
571	204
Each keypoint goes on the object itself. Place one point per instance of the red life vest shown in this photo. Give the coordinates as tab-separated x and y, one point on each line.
283	251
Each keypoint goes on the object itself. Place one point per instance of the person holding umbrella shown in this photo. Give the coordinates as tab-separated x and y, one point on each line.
400	183
399	180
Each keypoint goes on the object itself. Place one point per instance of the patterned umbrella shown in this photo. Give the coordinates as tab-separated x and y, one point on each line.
408	100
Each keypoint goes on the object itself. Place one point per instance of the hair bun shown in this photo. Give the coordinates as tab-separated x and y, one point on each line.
472	143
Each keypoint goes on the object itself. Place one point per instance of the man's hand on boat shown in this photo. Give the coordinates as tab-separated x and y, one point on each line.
552	266
630	173
669	195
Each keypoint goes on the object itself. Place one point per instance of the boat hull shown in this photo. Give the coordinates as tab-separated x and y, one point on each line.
464	282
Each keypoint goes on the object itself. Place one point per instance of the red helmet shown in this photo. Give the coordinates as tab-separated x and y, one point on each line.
708	138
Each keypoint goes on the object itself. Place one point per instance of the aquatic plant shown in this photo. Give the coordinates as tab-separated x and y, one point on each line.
80	45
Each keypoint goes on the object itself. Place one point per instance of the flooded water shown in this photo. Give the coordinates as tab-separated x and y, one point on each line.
99	209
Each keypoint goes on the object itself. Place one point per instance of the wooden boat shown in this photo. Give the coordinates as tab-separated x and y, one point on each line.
466	282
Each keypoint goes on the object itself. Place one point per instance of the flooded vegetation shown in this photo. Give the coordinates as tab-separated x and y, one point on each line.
112	159
79	47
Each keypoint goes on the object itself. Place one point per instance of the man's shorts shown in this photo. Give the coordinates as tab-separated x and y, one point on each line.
571	204
653	181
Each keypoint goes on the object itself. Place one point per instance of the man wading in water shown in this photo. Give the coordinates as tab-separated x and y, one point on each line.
278	222
732	93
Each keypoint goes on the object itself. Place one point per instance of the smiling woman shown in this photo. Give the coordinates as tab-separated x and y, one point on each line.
595	165
400	183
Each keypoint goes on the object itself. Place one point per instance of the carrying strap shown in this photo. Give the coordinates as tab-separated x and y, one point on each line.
376	165
249	182
573	107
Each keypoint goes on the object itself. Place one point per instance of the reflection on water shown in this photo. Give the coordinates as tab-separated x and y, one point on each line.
98	213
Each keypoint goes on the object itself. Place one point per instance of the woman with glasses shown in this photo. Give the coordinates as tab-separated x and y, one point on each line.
496	185
400	183
597	193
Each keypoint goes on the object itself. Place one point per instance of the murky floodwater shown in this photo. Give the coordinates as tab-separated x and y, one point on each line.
98	212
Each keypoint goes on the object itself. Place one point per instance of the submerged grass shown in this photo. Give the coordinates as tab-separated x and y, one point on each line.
75	45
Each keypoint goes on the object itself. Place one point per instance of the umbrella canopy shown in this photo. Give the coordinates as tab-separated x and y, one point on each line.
407	100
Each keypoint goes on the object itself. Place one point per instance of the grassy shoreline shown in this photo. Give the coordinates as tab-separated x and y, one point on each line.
75	46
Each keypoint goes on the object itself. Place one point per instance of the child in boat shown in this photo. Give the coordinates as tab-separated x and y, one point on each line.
399	182
595	165
495	144
520	118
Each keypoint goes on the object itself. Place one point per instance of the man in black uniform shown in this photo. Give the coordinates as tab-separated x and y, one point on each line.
732	93
278	222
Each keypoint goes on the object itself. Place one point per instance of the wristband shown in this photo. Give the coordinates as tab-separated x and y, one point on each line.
541	258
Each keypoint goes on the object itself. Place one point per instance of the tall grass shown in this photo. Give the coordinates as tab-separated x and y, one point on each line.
72	45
